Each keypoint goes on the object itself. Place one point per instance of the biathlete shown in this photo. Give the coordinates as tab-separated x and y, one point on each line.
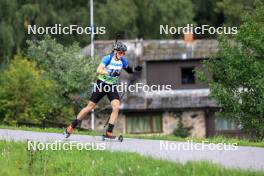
108	74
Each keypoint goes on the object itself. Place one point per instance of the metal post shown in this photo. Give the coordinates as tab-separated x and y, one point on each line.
92	51
92	28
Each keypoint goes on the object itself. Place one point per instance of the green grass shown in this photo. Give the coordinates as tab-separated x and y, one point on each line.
216	139
15	159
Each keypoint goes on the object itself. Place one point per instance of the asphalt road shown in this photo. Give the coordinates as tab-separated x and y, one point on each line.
227	155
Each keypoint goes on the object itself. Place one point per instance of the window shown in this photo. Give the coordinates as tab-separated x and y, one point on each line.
143	124
222	123
187	76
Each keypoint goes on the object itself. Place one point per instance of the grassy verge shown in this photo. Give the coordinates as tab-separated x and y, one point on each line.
17	160
49	130
216	139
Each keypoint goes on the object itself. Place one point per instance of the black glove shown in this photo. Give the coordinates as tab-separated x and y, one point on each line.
114	73
138	68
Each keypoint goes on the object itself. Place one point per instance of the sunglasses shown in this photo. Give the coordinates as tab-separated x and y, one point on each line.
120	52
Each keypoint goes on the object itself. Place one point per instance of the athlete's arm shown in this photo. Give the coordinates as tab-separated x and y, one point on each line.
128	69
131	70
101	70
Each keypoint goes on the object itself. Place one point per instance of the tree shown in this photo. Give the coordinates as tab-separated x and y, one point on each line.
24	94
238	72
181	131
16	15
234	10
118	17
152	14
204	16
72	72
7	38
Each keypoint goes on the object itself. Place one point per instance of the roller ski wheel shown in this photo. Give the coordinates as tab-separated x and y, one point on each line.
119	138
66	134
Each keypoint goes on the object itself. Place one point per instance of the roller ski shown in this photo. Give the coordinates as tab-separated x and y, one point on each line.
110	136
109	133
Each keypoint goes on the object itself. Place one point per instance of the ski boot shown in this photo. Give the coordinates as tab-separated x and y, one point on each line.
68	131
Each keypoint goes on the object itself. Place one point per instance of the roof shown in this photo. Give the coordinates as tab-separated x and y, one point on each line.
159	49
175	99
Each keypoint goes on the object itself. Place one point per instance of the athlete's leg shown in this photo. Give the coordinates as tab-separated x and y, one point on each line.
115	109
113	97
91	105
111	124
96	96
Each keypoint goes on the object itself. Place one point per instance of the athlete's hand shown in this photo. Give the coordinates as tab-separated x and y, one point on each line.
101	70
138	68
115	73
